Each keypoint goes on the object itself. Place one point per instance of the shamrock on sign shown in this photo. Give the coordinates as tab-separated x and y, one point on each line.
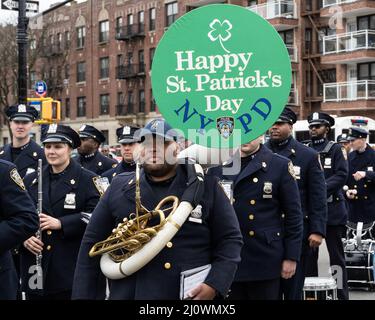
220	31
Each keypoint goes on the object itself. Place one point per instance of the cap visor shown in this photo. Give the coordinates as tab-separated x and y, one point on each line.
22	118
127	141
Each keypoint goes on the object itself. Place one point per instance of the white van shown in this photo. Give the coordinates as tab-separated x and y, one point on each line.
342	124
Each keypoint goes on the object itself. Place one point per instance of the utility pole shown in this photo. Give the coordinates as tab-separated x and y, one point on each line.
22	52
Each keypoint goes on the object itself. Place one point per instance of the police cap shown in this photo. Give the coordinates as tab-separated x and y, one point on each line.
87	131
158	127
320	118
21	112
287	116
60	133
357	133
126	134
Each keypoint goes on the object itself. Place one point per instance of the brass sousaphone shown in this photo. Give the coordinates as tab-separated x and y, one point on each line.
133	243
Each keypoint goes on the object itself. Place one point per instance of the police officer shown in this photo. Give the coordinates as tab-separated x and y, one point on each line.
128	143
23	151
210	235
312	188
343	139
18	221
90	158
268	207
361	180
333	157
68	190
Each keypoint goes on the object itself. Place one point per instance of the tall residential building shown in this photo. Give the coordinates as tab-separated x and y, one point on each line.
98	55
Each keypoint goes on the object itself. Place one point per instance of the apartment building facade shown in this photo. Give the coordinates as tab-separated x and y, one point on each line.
99	53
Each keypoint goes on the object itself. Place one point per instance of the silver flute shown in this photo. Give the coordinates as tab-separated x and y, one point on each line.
38	234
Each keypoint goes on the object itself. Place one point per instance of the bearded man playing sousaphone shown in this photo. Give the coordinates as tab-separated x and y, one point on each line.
201	236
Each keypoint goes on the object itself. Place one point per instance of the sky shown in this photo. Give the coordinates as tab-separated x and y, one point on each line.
7	15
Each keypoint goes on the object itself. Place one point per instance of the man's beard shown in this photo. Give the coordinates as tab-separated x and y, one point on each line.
158	170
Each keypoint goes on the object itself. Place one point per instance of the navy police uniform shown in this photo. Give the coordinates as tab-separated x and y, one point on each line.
361	208
268	207
125	135
65	196
95	162
312	189
333	158
18	222
210	235
25	157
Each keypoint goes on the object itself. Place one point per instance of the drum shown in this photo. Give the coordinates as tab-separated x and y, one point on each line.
320	288
360	263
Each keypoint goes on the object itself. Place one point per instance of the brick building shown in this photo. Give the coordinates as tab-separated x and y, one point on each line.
99	52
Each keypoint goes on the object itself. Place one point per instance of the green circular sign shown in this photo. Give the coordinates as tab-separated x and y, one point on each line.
222	75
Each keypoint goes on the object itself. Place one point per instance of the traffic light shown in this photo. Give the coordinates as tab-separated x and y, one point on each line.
49	109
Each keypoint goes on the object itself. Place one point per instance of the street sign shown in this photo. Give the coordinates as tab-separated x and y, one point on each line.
40	88
31	6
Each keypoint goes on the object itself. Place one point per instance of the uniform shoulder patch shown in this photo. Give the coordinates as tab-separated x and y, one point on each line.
15	176
344	153
291	170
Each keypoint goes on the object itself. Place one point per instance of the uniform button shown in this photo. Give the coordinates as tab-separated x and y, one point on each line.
48	247
337	199
356	197
251	216
365	197
255	180
306	217
278	234
355	187
365	185
283	215
251	233
252	202
169	244
49	232
167	265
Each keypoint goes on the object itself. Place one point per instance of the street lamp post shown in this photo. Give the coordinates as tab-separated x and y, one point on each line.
22	52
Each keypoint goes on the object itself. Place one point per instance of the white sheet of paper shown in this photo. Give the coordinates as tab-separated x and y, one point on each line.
192	278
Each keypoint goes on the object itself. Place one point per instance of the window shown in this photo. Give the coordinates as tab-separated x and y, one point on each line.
130	58
152	52
152	17
366	22
171	10
141	21
141	100
67	39
81	106
104	104
130	21
104	31
120	98
32	44
81	34
328	76
104	67
288	37
308	5
119	22
252	3
141	59
130	102
67	108
326	31
308	46
81	71
308	84
366	71
67	71
153	103
59	41
120	59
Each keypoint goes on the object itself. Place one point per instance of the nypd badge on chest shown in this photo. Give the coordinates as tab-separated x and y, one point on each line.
227	186
196	214
267	190
70	201
327	163
297	172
